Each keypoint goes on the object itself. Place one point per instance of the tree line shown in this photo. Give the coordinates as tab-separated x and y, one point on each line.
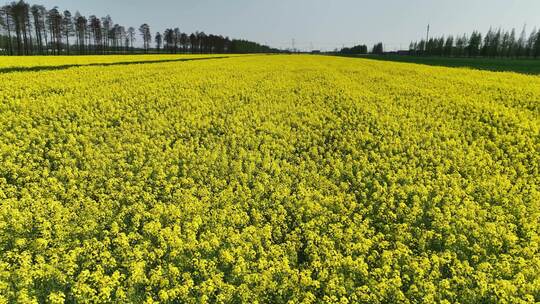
362	49
355	50
35	30
495	43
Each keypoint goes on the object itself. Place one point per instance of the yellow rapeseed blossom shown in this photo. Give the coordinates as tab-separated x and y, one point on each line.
267	179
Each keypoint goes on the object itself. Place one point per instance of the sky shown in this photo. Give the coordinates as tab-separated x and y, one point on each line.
315	24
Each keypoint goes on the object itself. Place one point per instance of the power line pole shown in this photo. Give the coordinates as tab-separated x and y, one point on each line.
293	46
427	39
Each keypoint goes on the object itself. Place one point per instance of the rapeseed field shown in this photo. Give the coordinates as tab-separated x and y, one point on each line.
268	179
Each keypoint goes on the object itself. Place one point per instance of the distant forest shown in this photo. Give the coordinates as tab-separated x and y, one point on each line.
35	30
495	43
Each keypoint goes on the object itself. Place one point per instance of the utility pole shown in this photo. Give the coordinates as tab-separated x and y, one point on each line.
427	39
293	46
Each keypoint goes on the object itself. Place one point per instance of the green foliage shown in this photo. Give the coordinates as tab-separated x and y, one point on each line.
524	66
269	179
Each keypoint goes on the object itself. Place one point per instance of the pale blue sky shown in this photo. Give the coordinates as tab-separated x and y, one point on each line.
323	24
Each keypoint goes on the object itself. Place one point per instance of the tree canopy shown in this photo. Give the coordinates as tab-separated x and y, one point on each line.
34	30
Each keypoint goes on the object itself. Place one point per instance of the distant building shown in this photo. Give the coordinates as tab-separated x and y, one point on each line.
315	52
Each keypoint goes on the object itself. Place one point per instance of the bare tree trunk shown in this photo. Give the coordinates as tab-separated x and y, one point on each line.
38	36
19	38
67	42
10	39
25	40
46	36
53	47
29	28
59	40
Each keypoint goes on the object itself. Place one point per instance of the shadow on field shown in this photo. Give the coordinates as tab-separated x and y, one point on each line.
68	66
